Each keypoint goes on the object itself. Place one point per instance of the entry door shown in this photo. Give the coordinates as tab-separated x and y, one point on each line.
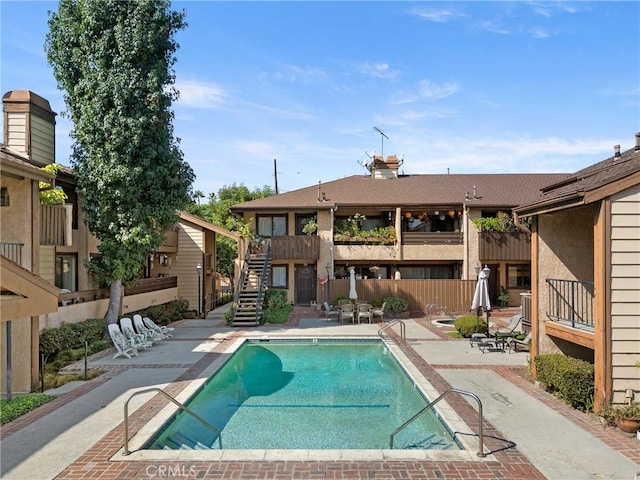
305	284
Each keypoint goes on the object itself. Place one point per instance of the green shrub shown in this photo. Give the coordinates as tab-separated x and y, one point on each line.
395	305
570	379
166	313
18	406
277	308
469	324
228	315
71	335
275	298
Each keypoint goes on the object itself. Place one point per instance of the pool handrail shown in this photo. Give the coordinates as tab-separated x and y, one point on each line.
431	404
392	323
175	402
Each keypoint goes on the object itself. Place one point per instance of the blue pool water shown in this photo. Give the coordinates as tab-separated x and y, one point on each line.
307	395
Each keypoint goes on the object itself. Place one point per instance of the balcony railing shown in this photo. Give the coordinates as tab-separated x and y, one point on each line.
302	247
52	224
432	238
12	250
143	285
494	246
571	302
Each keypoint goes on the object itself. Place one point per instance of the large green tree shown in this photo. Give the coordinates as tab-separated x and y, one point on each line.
114	62
217	211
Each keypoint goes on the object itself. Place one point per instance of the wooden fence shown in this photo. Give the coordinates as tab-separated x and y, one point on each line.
455	295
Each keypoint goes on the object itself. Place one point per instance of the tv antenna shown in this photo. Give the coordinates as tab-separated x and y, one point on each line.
367	163
382	137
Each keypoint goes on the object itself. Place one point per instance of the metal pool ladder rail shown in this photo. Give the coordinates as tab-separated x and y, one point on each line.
392	323
430	405
175	402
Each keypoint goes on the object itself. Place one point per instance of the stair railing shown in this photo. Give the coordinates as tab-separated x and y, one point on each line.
392	323
176	403
264	280
430	406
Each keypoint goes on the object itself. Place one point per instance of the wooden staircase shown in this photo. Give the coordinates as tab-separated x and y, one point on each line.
252	288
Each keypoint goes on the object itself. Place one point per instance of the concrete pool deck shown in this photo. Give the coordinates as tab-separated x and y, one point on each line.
528	433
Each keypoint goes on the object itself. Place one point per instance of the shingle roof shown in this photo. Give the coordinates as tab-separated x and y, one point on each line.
493	190
589	179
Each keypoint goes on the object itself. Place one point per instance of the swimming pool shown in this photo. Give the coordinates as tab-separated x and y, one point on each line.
307	394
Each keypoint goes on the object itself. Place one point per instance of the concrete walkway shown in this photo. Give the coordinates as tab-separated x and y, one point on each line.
530	433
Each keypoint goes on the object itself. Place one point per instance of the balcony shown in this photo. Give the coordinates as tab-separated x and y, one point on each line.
299	247
432	238
53	225
506	246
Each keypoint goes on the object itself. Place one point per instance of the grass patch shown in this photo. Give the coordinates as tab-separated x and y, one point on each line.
455	334
18	406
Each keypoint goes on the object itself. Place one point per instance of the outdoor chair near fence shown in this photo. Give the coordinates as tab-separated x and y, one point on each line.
365	312
347	312
329	311
379	311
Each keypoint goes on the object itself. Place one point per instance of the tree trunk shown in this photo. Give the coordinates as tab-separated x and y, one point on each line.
115	295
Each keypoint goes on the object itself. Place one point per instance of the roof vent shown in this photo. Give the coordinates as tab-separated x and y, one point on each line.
637	142
616	149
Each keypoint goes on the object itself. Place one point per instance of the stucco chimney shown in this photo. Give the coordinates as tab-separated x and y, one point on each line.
29	125
616	150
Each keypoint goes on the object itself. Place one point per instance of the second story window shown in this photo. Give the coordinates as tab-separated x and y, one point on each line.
272	225
306	225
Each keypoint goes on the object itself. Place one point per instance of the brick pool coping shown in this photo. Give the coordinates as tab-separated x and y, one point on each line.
507	462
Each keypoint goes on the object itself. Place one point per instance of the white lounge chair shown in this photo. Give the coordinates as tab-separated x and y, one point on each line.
148	333
123	346
138	340
161	329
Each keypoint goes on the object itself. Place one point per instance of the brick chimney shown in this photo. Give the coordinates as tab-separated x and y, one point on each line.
29	126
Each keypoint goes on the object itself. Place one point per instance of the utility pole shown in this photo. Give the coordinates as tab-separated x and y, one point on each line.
275	174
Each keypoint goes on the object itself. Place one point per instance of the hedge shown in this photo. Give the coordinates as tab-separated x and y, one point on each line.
71	335
469	324
570	379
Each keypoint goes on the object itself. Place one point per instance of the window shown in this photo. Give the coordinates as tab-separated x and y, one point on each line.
67	272
278	277
519	276
272	226
4	197
301	221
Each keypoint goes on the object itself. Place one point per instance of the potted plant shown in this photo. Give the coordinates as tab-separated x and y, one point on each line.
310	228
504	299
625	417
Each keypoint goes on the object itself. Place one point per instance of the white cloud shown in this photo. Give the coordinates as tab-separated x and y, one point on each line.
438	16
294	73
196	94
493	27
379	70
432	91
539	32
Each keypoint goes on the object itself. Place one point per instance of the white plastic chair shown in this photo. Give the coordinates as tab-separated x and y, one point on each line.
148	333
160	329
123	346
137	339
365	311
379	311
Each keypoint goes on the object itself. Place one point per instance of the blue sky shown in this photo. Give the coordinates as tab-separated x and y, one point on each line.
465	87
